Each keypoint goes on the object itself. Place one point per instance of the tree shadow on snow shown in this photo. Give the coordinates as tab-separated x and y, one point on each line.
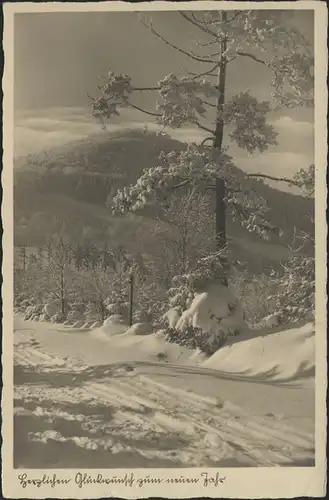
61	377
270	377
94	424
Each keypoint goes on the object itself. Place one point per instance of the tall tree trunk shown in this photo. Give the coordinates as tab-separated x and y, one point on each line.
218	144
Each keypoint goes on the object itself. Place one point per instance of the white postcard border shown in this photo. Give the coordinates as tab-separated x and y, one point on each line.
240	482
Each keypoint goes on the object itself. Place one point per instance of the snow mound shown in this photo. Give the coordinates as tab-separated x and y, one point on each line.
114	319
140	329
281	356
127	346
107	331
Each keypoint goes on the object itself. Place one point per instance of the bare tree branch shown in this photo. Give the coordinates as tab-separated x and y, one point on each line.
206	44
199	125
197	75
204	26
231	59
181	184
211	104
207	139
141	89
198	24
236	14
206	73
179	49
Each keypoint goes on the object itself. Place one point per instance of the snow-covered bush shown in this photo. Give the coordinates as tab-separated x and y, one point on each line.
196	338
297	298
102	290
288	291
257	295
178	295
215	310
171	317
149	303
185	232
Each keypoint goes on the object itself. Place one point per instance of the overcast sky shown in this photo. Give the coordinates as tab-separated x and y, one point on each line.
58	58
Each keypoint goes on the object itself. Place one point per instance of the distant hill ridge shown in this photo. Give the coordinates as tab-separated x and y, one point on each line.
69	185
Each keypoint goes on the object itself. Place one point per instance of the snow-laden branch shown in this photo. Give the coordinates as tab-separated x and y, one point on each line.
175	170
303	179
273	178
143	110
251	56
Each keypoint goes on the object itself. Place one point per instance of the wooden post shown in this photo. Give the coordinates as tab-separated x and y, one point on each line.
131	298
23	254
220	214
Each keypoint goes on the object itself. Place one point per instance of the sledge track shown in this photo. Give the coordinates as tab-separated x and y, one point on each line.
32	356
264	441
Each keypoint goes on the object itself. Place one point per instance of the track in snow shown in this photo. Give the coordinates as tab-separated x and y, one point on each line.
151	419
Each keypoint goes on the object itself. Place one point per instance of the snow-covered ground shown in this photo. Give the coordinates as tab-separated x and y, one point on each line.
90	399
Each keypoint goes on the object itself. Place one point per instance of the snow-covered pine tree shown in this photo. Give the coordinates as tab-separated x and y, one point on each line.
265	37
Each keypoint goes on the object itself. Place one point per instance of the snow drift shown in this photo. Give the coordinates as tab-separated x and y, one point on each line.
285	355
260	354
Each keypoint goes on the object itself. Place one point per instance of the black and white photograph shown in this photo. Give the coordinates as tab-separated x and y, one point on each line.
167	298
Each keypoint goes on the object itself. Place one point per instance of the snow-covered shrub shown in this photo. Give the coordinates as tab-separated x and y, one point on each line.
149	304
196	338
140	329
297	298
257	295
272	320
288	292
92	311
52	308
103	291
184	234
31	285
178	295
171	317
208	268
205	270
113	308
214	310
75	315
57	318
